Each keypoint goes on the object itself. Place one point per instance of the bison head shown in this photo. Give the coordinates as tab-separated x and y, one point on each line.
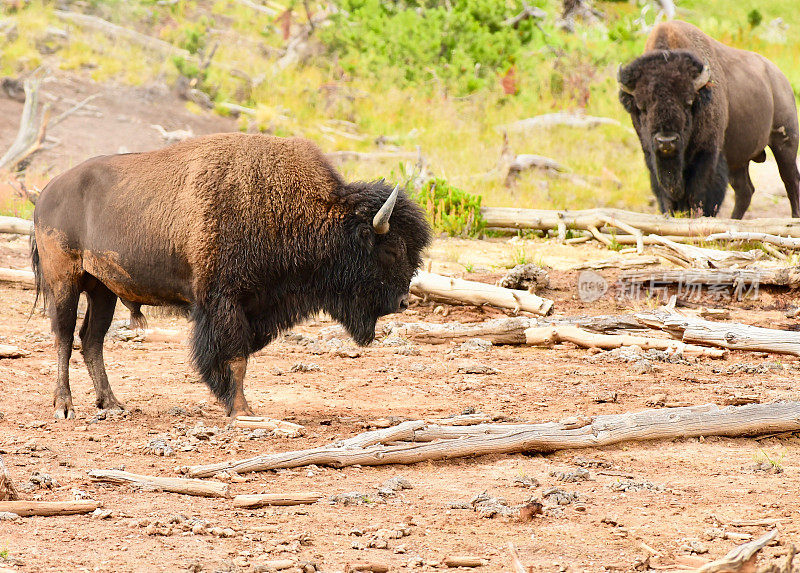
663	91
383	238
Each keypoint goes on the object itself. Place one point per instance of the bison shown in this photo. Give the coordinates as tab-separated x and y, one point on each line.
703	111
249	234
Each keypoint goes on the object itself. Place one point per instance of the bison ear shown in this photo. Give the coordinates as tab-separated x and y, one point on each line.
628	89
702	79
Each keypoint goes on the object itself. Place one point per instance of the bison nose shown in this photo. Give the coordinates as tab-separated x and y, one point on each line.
666	143
403	304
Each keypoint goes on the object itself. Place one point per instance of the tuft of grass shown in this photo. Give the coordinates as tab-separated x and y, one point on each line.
775	461
4	554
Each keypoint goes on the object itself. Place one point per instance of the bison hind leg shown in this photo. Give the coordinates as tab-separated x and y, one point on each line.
99	314
220	351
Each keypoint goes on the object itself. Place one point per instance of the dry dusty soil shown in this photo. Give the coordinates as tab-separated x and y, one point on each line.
667	495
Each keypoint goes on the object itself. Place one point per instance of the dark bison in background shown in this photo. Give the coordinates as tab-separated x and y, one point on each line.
248	233
703	111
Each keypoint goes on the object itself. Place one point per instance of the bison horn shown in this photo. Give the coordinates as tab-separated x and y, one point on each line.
701	80
622	86
381	220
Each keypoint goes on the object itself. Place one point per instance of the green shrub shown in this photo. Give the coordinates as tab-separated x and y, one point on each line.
451	210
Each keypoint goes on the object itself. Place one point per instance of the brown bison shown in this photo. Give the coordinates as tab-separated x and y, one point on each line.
249	234
703	111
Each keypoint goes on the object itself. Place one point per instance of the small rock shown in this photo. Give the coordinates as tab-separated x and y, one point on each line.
8	516
526	481
559	496
101	513
159	447
303	367
580	474
475	345
391	486
476	368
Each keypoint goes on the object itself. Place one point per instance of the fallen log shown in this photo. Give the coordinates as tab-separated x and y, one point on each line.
497	331
342	156
550	335
662	423
32	125
464	561
26	508
7	490
8	351
700	256
741	558
402	432
558	119
732	335
116	32
280	427
542	219
783	276
783	242
15	225
185	486
23	279
264	499
459	291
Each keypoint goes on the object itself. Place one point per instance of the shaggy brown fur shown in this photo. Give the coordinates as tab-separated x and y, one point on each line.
747	105
249	233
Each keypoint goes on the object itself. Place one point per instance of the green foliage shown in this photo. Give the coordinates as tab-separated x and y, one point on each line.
4	554
754	18
451	210
463	46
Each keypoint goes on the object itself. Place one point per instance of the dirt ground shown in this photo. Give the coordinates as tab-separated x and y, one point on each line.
667	495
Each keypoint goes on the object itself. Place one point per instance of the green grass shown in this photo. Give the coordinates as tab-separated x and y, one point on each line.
397	75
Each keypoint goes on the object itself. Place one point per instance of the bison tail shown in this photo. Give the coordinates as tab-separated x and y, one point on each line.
38	277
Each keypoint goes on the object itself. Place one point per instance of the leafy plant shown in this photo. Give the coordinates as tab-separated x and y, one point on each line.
4	554
451	210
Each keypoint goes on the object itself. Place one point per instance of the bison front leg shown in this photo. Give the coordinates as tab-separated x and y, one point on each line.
706	182
220	350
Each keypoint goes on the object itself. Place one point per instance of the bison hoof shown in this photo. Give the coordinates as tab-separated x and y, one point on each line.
64	412
111	405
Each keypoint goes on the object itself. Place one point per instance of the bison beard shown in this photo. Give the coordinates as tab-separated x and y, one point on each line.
674	183
262	234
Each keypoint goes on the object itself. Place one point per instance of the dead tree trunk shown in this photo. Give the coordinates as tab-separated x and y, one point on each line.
731	335
175	485
25	508
665	423
459	291
32	125
514	218
24	279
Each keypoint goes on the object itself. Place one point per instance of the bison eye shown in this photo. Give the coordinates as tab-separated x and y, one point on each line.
689	102
365	234
641	106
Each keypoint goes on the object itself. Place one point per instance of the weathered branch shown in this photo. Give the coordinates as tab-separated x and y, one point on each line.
510	217
783	242
61	117
741	558
559	119
731	335
8	351
116	32
498	331
198	487
459	291
32	125
664	423
264	499
25	508
342	156
786	276
17	277
549	335
15	225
